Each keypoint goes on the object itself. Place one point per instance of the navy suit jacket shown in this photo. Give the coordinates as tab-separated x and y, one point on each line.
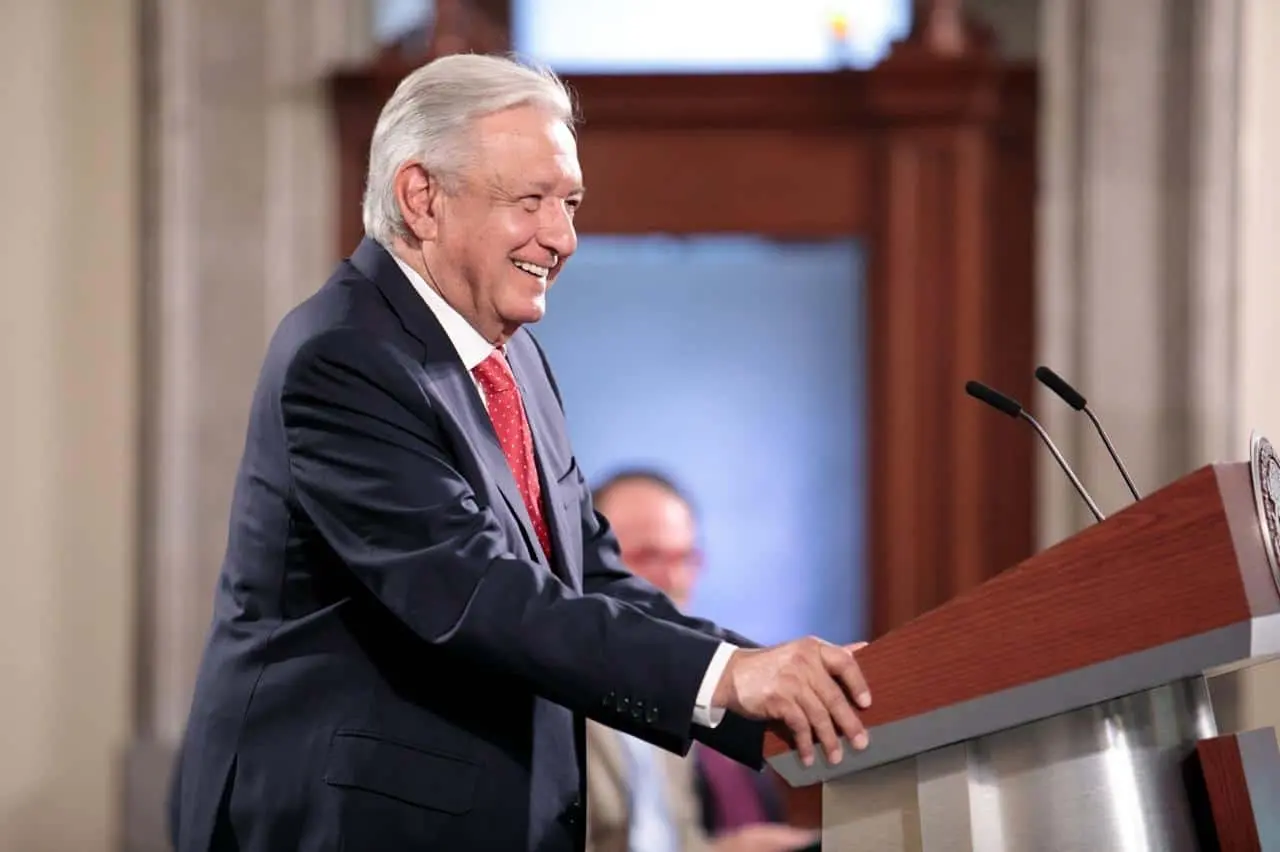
393	661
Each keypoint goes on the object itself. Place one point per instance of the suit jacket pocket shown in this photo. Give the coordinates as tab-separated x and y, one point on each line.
569	478
412	774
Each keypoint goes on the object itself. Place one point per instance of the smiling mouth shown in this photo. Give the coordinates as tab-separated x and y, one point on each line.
532	268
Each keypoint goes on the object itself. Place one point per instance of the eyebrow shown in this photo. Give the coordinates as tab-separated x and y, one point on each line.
548	188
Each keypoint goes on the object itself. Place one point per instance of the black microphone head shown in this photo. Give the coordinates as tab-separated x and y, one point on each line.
993	398
1058	385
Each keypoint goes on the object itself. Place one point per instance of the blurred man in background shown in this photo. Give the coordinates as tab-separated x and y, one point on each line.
641	799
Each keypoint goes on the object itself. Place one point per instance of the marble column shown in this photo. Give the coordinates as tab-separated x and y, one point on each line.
1158	287
1257	217
68	418
239	183
1253	304
1115	216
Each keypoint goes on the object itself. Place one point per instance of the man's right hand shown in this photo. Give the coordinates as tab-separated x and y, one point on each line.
809	685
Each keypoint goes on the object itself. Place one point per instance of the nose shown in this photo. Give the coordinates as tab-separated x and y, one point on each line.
557	233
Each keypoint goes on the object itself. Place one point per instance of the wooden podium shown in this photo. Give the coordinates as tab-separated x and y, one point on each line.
1064	704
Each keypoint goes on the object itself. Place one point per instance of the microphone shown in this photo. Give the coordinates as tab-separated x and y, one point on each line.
1075	399
1013	408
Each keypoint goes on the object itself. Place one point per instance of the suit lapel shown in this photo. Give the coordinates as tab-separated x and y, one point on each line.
449	378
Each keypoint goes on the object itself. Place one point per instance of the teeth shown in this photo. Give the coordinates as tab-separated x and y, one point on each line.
532	268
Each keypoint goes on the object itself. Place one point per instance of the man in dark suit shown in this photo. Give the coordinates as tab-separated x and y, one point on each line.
419	605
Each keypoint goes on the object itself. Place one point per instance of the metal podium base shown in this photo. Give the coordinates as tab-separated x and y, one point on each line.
1105	778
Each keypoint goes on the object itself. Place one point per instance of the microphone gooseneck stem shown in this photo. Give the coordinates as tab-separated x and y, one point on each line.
1102	433
1066	468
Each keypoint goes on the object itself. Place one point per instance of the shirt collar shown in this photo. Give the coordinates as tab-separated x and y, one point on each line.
471	346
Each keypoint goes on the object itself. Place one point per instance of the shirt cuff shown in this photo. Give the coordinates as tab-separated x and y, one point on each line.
703	713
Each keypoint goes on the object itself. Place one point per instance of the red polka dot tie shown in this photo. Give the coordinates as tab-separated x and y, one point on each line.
506	410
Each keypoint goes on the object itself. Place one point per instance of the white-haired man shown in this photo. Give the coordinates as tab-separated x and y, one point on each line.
418	606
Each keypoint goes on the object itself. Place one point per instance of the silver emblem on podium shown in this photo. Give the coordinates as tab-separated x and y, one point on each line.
1265	467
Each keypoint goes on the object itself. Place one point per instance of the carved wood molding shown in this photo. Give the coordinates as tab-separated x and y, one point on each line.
470	26
456	26
953	237
942	30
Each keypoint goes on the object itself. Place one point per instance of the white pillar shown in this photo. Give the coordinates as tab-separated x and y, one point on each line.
1160	263
68	426
1257	278
1114	278
242	190
1258	237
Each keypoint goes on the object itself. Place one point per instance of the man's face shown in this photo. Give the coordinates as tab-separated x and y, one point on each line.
494	244
656	533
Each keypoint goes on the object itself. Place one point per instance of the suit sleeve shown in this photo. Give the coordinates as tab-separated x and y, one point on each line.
372	471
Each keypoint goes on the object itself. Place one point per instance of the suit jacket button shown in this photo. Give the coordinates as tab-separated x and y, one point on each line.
652	715
637	712
609	699
623	704
573	813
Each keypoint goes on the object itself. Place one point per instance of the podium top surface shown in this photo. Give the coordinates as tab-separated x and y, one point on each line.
1176	585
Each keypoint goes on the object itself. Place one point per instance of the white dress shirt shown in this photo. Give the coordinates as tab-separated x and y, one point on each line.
473	348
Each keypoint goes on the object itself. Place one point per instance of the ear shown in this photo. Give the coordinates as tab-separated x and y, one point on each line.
419	197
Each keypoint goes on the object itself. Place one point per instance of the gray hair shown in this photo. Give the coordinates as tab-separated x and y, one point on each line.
429	117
